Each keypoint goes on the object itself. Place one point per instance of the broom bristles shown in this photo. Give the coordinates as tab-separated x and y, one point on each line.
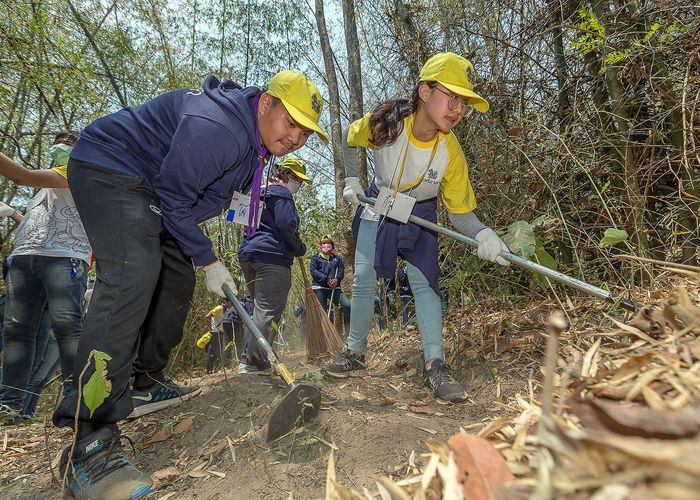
321	338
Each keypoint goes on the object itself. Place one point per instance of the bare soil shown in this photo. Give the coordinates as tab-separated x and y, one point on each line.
213	446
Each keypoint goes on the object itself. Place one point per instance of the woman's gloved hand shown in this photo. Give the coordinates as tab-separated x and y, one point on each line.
491	246
352	189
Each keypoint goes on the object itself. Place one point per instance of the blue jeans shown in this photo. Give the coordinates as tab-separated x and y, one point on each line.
32	282
45	364
324	296
428	310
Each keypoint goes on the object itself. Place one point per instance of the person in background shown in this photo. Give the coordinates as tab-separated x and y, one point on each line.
405	294
47	268
327	272
300	312
266	259
418	159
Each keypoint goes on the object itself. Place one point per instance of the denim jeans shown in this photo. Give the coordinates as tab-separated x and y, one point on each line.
428	310
324	296
45	364
32	282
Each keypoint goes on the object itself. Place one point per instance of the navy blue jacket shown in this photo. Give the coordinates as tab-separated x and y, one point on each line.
193	147
417	245
323	270
277	239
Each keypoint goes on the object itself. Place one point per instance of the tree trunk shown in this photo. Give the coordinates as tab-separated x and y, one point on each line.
332	83
355	78
621	114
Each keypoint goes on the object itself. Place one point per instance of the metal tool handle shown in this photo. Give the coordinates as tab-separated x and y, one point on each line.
582	286
271	354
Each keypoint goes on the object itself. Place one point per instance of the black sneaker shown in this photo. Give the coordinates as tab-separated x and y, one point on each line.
445	388
345	363
161	395
99	469
8	416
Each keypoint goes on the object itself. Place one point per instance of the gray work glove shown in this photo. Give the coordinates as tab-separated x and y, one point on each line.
352	189
6	210
491	246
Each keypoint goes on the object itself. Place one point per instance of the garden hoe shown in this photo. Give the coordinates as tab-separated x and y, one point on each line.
302	402
582	286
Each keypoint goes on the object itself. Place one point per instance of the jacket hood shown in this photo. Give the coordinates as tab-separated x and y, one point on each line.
231	96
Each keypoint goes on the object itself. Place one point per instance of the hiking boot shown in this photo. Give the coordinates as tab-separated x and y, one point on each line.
8	416
99	469
161	395
345	363
445	389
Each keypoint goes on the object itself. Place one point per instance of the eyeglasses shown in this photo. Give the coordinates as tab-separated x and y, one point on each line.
456	103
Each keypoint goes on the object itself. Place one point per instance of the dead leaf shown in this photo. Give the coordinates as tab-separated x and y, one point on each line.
167	474
159	436
426	410
358	395
650	320
636	420
481	468
183	426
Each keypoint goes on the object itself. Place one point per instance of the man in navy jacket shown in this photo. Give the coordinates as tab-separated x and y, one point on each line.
266	259
143	178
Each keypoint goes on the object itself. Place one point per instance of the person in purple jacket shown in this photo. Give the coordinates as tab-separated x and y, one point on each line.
266	259
143	179
327	271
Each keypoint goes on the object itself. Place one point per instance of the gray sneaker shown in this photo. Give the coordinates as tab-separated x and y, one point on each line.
100	470
445	389
345	363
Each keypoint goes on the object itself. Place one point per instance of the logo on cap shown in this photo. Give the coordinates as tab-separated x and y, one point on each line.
315	104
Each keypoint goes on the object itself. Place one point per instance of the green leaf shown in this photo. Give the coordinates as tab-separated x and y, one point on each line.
96	390
613	236
605	187
542	257
521	239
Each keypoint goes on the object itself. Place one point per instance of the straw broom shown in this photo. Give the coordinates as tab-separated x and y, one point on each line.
321	337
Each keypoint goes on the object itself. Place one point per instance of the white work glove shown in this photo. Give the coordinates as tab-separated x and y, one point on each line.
6	210
216	276
352	189
491	246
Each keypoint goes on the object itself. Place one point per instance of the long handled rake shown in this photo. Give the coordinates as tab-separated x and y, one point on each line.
582	286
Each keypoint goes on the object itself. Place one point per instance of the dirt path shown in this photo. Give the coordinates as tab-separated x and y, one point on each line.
213	446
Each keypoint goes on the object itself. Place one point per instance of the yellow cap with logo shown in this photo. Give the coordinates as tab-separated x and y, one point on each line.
297	166
452	72
300	97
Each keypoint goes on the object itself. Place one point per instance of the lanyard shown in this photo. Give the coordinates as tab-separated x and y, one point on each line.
413	184
257	177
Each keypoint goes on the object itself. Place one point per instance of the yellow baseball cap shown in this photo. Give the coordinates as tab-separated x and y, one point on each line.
300	97
452	72
297	166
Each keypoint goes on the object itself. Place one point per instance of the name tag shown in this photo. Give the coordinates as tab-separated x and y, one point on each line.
397	207
240	208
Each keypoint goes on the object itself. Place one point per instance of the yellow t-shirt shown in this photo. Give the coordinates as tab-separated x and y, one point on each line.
446	175
61	170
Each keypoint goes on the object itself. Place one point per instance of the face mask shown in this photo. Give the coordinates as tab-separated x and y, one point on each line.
293	185
60	153
326	247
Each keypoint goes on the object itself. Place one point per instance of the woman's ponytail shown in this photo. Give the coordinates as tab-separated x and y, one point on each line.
386	122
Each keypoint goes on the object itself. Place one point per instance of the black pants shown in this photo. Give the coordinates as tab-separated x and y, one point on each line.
142	292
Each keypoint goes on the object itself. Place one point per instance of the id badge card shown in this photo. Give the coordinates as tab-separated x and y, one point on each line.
397	207
240	208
